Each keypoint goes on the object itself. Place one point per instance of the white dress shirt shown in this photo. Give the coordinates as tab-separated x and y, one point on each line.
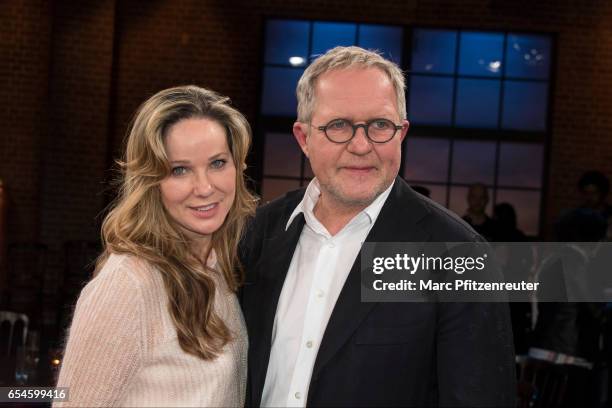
316	275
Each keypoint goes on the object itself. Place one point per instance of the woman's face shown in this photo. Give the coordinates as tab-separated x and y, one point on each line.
201	187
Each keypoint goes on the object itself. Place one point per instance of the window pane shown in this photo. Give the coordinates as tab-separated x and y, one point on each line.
282	155
473	162
433	51
477	103
326	36
525	105
436	192
481	53
520	165
426	159
286	39
278	96
386	39
274	188
527	207
459	204
528	56
430	100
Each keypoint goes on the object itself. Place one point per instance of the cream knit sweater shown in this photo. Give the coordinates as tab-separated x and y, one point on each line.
123	349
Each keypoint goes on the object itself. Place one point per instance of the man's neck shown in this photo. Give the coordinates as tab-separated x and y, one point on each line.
333	215
477	218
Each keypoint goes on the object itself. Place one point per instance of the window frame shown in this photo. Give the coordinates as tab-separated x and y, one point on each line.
283	124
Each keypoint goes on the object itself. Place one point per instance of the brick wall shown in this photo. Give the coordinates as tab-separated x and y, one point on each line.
73	73
25	27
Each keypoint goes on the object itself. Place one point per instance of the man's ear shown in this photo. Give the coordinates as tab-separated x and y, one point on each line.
405	127
300	131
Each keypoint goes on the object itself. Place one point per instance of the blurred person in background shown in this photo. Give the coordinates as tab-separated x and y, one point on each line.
517	265
476	216
594	187
569	327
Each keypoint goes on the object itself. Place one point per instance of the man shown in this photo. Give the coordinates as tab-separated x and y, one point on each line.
312	341
594	187
478	198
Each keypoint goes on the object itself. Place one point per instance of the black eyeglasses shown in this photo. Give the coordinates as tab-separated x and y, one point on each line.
377	130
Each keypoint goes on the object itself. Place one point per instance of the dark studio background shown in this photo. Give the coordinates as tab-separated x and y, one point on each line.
73	72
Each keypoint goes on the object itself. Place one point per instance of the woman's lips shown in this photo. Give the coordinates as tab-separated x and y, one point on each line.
205	211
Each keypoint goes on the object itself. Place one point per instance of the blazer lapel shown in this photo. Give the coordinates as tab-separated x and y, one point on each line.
278	252
397	222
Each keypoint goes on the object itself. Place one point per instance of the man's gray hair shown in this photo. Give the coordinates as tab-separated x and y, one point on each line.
342	58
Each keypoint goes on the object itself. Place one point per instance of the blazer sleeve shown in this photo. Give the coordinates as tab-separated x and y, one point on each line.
249	247
475	364
105	343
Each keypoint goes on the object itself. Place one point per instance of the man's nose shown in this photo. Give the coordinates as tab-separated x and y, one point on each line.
360	144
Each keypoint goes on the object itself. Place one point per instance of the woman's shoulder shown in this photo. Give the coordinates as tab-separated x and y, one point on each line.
129	271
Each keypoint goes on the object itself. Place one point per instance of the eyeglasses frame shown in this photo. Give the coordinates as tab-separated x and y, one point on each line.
357	126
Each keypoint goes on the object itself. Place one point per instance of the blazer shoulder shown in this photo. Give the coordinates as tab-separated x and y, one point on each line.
445	225
269	220
277	212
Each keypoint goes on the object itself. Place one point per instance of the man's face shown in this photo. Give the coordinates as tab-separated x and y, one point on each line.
592	196
477	199
352	174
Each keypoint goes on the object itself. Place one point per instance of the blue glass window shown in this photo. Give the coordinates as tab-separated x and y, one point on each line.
385	39
275	98
326	36
419	163
481	53
285	40
436	192
431	100
433	51
473	162
528	56
525	105
477	103
520	165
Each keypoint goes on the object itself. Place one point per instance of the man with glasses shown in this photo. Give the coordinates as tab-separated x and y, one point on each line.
312	341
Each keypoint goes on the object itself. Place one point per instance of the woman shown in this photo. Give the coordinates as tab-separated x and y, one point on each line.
160	325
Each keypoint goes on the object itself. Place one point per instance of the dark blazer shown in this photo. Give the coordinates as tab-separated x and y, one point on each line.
381	354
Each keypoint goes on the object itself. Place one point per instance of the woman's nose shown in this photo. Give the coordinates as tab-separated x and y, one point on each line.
203	185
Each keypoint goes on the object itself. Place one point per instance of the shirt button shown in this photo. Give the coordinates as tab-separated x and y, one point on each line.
309	344
298	395
320	293
331	245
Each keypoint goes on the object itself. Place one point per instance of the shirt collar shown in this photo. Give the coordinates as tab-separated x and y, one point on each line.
313	191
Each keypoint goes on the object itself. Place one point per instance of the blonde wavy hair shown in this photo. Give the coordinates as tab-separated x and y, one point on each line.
138	223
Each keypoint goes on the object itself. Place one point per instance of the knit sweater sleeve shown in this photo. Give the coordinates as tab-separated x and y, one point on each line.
106	340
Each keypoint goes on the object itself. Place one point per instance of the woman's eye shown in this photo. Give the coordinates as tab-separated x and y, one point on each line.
179	171
218	164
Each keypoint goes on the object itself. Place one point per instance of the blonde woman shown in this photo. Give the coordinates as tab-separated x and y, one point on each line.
160	325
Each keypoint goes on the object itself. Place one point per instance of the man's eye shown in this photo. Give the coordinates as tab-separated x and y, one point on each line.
218	164
382	124
337	125
179	171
